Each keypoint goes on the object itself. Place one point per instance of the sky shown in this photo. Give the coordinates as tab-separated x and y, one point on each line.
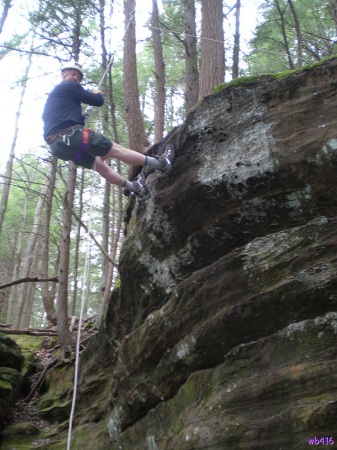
43	76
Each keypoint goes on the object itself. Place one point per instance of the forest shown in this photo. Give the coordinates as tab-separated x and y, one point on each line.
62	227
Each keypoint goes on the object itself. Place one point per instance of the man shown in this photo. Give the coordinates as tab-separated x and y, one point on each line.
68	140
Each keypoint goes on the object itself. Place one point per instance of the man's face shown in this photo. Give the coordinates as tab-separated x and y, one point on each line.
71	75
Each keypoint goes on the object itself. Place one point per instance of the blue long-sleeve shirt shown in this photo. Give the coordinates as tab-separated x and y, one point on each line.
63	106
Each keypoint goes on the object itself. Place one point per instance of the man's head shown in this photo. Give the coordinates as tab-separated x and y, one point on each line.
72	72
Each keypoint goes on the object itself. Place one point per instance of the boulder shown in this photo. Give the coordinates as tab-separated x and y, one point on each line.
11	364
229	276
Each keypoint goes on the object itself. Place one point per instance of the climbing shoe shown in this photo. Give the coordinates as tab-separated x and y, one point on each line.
139	185
166	159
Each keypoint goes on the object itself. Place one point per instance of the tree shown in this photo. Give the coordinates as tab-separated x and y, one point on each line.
9	166
212	61
333	11
191	55
29	264
236	49
159	109
298	34
14	296
64	27
62	291
6	6
281	9
292	33
134	120
48	295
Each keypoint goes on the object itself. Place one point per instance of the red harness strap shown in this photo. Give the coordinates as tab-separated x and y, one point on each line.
85	138
84	145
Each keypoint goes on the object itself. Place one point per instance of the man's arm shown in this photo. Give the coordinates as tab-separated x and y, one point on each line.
93	98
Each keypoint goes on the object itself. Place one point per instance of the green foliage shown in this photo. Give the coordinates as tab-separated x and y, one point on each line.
318	31
66	25
15	42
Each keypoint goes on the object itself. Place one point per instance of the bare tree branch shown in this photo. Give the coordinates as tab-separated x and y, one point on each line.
28	280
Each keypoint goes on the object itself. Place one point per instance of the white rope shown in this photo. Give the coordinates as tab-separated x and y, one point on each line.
86	271
168	30
85	290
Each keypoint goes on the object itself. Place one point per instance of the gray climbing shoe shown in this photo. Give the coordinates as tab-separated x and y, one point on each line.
166	159
139	185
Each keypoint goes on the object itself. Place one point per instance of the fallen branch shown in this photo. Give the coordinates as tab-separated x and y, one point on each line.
29	332
40	379
28	280
42	376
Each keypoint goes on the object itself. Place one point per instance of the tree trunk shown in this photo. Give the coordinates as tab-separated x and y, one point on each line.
7	5
191	55
212	62
281	12
9	166
298	35
116	221
107	220
29	262
134	120
159	107
108	281
333	12
13	304
106	82
47	297
29	290
62	292
236	50
77	248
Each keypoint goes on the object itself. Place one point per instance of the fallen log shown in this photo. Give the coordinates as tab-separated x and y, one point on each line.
28	332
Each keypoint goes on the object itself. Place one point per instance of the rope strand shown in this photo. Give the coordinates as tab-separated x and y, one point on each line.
85	290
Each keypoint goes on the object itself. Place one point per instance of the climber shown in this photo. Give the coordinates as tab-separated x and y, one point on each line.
68	139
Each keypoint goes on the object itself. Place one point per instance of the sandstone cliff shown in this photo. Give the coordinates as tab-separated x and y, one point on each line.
222	334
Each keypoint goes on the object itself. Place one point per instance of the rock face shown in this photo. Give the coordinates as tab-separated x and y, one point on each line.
227	314
11	363
222	334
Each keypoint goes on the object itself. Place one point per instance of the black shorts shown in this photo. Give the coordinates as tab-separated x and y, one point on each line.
67	146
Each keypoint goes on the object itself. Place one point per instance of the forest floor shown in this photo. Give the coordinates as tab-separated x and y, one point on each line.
25	410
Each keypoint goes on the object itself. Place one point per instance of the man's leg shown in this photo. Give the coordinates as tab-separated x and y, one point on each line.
106	172
117	151
134	158
126	155
113	177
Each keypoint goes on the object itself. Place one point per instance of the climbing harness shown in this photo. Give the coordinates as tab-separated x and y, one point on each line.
66	133
84	145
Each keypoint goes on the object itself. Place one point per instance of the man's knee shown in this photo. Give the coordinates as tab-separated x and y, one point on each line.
98	164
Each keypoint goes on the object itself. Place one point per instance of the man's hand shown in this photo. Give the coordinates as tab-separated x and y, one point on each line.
97	91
